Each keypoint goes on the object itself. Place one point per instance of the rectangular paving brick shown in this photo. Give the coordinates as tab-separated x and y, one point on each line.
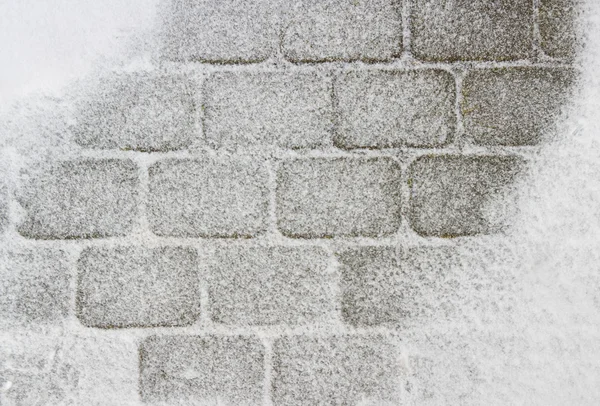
341	30
138	111
202	369
138	287
558	27
290	110
84	198
380	109
328	197
208	197
252	285
338	370
459	30
455	195
381	287
34	286
224	31
514	106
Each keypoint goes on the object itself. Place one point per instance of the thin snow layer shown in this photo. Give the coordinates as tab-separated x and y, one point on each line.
526	324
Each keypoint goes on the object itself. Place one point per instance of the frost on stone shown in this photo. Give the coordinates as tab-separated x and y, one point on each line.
83	198
34	287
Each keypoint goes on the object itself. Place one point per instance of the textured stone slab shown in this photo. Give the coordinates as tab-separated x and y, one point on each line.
381	287
280	109
86	198
209	369
514	106
462	195
338	370
138	111
381	109
558	27
208	197
224	31
327	197
34	287
138	287
342	30
459	30
271	285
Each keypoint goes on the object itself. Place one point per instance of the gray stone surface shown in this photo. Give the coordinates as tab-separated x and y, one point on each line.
341	30
85	198
224	31
34	287
454	195
138	111
338	370
327	197
558	27
208	197
202	370
138	287
514	106
457	30
290	110
381	287
30	389
271	285
381	109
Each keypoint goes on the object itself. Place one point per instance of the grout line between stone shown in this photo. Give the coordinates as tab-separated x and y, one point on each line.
268	369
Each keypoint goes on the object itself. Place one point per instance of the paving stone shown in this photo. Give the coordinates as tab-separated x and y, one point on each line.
253	285
138	111
383	287
459	30
207	369
380	109
342	30
226	31
85	198
514	106
34	287
290	110
558	27
208	197
338	370
22	388
462	195
327	197
138	287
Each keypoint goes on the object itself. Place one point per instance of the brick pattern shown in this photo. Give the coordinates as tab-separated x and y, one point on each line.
462	30
373	109
141	111
338	197
84	198
138	287
341	30
209	369
295	284
338	370
353	130
558	27
34	287
514	106
455	195
287	110
208	198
